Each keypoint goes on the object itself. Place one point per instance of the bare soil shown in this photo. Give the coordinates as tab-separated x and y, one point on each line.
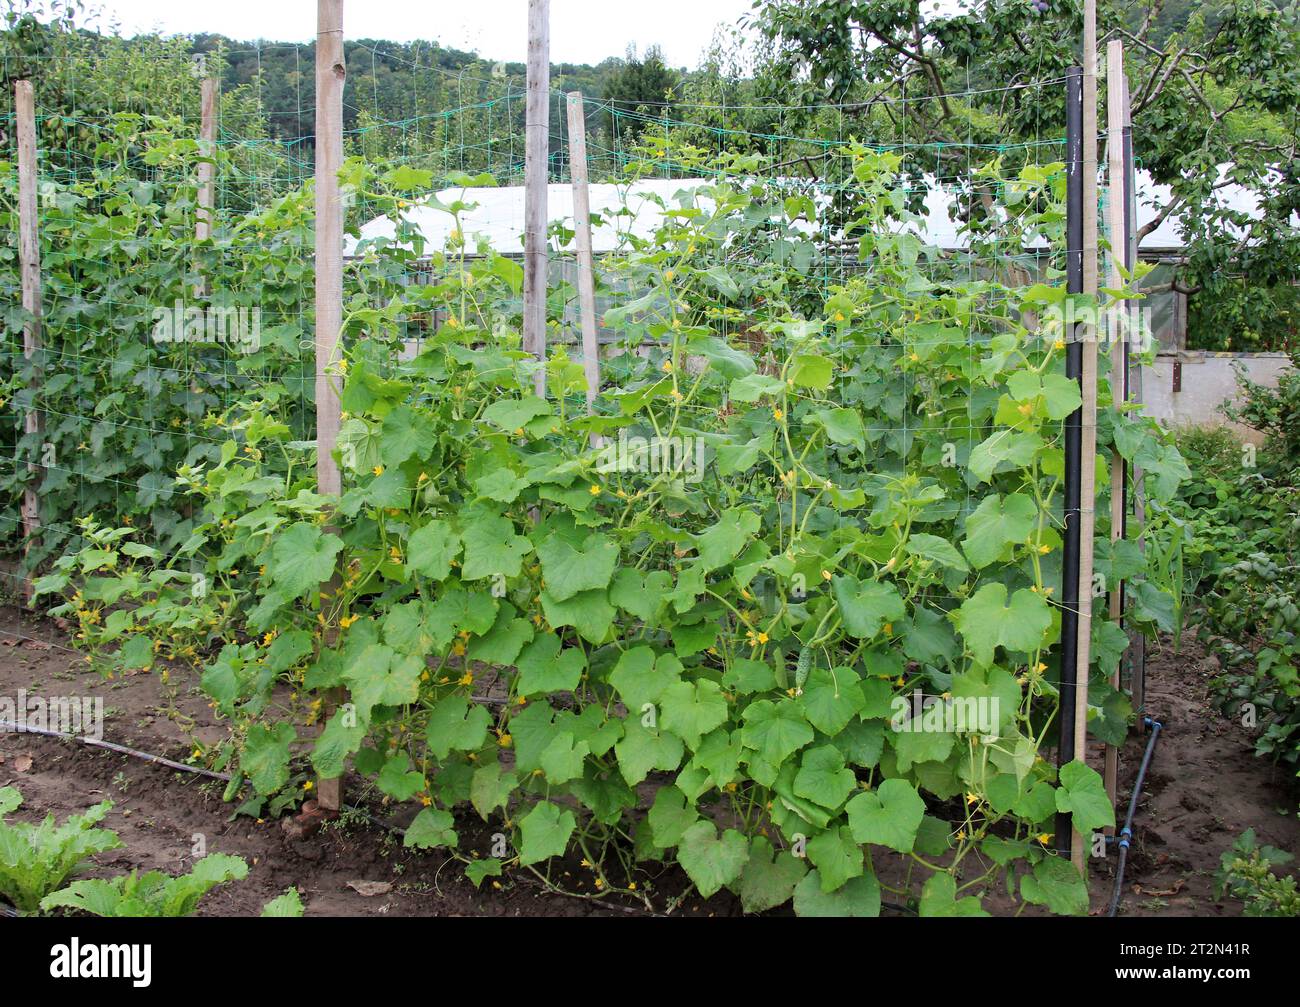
1204	788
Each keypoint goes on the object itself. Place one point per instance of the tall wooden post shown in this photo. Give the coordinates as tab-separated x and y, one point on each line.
582	238
1088	447
29	259
329	235
1117	333
537	148
207	152
1138	640
330	73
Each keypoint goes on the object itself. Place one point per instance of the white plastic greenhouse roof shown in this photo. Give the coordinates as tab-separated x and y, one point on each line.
498	214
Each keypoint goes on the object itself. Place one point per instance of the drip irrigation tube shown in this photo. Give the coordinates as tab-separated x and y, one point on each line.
1126	834
10	726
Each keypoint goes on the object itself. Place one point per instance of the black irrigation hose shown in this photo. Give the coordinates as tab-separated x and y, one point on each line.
1126	834
10	726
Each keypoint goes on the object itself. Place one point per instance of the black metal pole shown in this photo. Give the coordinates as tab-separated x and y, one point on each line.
1073	434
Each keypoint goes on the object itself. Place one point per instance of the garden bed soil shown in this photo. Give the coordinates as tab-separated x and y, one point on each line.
1204	788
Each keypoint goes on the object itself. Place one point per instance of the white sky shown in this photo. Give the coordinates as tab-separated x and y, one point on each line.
582	31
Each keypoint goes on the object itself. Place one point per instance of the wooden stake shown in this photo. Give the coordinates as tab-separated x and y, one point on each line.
207	151
1116	330
29	259
330	74
329	236
537	150
582	238
1088	453
1138	640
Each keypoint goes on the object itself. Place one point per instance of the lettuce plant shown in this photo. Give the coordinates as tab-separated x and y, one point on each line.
36	860
150	894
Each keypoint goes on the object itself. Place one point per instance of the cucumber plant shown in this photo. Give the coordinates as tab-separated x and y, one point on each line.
591	649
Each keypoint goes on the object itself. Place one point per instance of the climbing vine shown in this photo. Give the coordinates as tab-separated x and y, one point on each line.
731	620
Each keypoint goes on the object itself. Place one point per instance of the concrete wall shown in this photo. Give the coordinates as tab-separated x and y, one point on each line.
1206	381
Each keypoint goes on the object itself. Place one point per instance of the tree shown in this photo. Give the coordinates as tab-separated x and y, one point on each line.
1213	104
642	86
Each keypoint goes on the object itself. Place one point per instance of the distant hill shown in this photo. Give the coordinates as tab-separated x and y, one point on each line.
393	81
